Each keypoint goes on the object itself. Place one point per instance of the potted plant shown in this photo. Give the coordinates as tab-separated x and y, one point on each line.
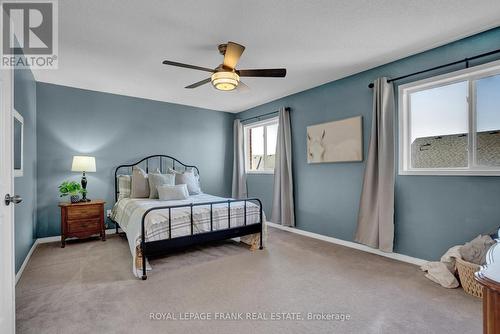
72	189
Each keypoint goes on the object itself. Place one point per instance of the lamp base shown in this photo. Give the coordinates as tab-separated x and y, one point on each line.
84	186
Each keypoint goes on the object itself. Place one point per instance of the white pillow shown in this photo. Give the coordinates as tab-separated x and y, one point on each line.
190	178
124	184
140	184
157	179
170	193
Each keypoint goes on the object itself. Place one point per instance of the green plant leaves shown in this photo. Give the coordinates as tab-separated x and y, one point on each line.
68	188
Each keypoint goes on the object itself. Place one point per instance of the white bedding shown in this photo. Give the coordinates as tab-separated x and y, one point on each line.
128	213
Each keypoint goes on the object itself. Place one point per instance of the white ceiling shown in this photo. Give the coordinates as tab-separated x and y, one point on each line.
117	46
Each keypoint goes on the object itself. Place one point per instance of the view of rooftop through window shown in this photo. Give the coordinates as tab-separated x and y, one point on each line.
439	111
488	103
439	125
260	144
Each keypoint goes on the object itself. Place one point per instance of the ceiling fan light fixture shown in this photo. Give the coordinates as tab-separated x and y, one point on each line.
225	80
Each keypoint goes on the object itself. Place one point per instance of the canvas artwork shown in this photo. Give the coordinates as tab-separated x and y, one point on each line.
338	141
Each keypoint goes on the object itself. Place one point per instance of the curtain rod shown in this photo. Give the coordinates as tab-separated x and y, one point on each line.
263	115
466	61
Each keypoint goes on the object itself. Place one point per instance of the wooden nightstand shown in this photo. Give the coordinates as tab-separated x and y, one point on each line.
82	220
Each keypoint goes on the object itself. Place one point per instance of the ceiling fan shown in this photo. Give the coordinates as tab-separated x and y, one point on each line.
225	76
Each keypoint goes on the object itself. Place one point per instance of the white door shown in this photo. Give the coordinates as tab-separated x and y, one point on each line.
7	275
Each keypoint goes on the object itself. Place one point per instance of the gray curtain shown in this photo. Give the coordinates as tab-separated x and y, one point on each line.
283	208
239	177
376	209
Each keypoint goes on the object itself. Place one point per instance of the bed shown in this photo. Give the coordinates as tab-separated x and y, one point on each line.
154	227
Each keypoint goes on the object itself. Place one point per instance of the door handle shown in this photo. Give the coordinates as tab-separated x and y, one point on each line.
16	199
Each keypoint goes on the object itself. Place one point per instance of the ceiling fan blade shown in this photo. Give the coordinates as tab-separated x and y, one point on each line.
242	87
270	72
194	67
233	54
199	83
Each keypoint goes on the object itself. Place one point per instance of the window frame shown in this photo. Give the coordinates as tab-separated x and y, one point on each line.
17	117
264	123
470	75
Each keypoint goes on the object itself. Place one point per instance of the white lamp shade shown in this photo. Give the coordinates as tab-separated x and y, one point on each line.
83	164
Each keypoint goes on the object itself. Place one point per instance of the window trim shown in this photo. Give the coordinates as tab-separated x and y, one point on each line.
246	127
404	91
17	117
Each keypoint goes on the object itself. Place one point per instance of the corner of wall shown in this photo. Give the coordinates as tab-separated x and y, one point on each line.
25	186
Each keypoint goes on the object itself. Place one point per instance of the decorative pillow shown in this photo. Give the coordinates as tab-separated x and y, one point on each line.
156	180
124	184
171	193
140	184
188	169
190	178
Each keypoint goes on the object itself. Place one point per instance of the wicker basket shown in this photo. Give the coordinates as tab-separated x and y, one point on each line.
466	272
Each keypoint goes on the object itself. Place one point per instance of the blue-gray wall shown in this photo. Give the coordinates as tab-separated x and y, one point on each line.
432	213
25	186
118	129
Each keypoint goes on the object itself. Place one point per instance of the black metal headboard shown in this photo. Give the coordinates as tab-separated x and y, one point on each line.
157	161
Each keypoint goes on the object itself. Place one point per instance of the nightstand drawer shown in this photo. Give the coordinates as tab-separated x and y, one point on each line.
82	220
84	212
84	225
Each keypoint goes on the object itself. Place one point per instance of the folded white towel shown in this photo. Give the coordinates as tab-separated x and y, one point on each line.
443	272
439	273
449	257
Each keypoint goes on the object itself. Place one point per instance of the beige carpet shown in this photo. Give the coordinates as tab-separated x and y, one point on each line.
88	287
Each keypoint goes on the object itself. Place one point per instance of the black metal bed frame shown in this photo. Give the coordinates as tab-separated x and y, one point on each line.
161	247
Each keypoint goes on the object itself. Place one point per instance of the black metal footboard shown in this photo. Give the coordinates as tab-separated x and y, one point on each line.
160	247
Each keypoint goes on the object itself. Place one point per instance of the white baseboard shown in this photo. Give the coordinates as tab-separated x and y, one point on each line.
350	244
49	239
26	260
58	237
43	241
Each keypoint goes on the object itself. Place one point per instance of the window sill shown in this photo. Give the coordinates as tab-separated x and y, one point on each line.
444	172
261	172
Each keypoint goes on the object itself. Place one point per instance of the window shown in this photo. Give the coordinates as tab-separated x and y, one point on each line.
18	143
260	146
450	124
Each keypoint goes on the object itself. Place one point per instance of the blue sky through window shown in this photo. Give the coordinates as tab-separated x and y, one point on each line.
443	110
488	103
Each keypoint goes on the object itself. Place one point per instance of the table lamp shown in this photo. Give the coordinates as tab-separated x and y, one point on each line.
83	164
